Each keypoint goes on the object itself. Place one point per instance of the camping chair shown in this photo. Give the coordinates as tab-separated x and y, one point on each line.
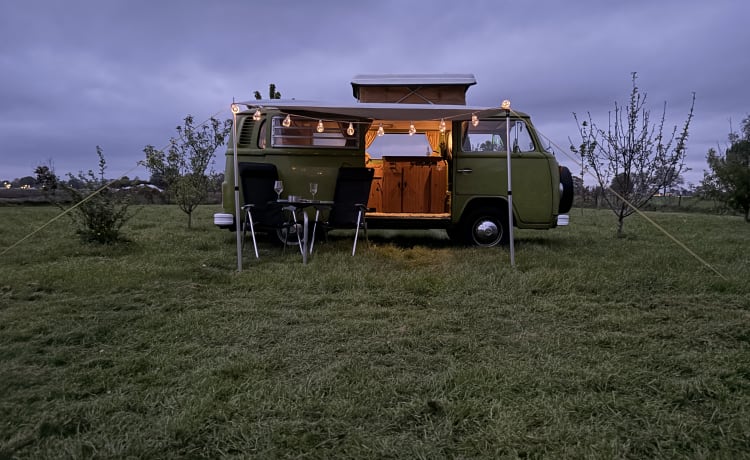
349	208
260	208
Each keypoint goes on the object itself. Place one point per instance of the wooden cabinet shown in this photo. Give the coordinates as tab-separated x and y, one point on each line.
412	185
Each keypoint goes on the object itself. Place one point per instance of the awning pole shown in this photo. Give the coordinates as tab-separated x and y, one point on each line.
510	188
237	216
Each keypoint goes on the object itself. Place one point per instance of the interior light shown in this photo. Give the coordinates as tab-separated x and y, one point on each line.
350	129
287	121
235	108
442	125
320	127
381	131
256	115
412	129
505	105
474	120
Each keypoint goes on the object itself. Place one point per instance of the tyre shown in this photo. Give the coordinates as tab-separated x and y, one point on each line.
566	190
486	227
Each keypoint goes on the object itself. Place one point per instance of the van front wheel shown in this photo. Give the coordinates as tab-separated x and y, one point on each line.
486	227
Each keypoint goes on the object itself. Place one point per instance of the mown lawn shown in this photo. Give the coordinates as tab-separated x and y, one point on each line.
592	347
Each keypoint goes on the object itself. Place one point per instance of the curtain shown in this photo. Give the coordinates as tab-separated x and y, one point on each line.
370	136
433	137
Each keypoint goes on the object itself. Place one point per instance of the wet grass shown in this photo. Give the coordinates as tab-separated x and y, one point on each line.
592	347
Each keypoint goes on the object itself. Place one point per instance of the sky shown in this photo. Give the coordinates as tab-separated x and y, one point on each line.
122	74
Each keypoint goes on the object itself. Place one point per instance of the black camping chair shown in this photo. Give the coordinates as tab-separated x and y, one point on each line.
349	210
260	207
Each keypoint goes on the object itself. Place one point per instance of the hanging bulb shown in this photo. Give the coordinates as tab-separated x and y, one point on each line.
442	125
350	130
287	121
256	115
474	120
381	131
412	129
320	127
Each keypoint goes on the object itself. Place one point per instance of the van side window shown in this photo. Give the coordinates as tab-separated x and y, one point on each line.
489	136
307	132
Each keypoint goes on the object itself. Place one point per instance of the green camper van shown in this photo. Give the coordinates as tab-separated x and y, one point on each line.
438	163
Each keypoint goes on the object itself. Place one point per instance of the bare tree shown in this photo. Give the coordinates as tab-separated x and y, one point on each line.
633	158
184	166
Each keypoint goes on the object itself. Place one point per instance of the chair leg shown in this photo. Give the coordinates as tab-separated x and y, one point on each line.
356	232
249	218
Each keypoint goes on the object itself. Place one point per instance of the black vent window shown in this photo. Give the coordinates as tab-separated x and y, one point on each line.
246	131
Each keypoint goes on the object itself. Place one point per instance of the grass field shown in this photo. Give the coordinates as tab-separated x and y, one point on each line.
592	347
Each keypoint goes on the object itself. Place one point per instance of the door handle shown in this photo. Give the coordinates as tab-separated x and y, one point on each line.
465	170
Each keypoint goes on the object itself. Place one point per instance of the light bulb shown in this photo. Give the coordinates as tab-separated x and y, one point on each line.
412	129
505	105
474	120
235	108
320	127
350	130
381	131
256	115
442	125
287	121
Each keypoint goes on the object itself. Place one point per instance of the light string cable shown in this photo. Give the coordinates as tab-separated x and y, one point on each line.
638	211
87	198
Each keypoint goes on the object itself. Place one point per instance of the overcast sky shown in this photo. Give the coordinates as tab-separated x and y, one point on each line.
122	74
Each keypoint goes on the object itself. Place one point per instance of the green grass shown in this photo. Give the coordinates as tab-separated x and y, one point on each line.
592	347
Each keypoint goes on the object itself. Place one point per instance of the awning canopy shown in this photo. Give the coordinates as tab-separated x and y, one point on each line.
376	111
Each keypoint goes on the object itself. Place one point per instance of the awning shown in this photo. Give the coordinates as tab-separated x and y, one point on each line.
376	111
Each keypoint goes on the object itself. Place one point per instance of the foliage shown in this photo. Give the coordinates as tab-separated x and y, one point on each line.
46	179
272	93
414	348
98	210
632	157
183	168
729	178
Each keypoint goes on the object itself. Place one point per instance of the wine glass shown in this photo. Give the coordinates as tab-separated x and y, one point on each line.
313	189
278	187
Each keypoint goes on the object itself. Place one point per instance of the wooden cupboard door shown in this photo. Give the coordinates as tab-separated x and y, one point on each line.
391	187
438	188
416	188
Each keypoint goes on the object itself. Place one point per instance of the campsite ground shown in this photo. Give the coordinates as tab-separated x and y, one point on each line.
591	347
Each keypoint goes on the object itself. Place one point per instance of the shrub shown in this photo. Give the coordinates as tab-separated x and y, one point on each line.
99	212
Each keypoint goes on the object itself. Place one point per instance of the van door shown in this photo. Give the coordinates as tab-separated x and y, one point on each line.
479	168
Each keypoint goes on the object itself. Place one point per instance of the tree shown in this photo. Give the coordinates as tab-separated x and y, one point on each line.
183	168
46	178
729	179
272	93
633	157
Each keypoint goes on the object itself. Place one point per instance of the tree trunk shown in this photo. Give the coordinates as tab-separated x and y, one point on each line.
190	219
620	222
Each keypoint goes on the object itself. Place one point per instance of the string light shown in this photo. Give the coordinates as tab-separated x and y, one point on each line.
256	115
442	125
287	121
474	120
381	131
412	129
350	130
320	127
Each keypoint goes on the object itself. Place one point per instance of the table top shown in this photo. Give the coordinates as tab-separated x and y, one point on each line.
303	203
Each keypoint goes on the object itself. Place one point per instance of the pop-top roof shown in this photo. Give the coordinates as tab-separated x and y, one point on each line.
464	79
412	88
